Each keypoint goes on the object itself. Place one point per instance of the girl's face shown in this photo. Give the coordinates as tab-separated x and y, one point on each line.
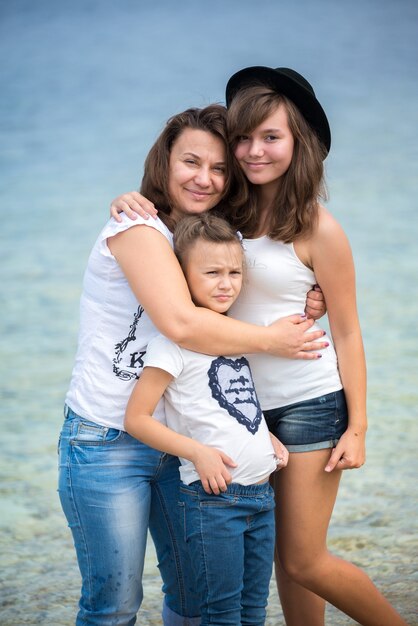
265	154
214	274
197	172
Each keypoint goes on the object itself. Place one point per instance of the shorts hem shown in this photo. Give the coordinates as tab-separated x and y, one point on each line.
310	447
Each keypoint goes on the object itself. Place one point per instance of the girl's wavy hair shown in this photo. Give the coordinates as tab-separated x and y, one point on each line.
295	209
206	226
154	186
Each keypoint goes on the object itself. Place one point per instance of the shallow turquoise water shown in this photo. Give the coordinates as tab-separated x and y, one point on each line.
86	87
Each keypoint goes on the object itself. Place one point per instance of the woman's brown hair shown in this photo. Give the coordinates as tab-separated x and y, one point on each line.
295	209
154	186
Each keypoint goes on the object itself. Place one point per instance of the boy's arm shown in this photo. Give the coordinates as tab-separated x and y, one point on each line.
209	462
280	451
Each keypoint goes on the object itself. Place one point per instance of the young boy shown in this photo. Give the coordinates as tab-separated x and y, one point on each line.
216	427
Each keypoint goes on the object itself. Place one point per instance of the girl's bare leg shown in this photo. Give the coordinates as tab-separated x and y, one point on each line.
305	496
300	606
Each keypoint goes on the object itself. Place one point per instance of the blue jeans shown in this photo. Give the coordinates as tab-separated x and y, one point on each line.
112	488
231	542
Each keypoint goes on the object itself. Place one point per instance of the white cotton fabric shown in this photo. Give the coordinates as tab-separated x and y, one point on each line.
276	286
113	336
212	400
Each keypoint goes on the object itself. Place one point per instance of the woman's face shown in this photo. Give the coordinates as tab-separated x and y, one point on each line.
197	172
265	154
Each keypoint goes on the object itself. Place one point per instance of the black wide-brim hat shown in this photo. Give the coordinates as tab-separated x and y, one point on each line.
290	84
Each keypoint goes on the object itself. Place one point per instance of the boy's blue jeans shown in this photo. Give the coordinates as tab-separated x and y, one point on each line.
112	488
231	542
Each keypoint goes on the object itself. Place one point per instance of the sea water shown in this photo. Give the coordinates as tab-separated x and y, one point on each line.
85	88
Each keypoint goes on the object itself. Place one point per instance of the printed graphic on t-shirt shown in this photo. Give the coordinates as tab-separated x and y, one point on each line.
232	386
128	365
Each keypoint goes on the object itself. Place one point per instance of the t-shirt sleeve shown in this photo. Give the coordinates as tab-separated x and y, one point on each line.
113	228
164	354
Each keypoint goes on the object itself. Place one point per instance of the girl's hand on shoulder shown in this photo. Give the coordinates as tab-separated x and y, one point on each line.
211	465
350	452
280	451
132	203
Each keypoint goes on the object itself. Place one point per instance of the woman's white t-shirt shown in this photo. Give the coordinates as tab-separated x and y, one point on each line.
113	336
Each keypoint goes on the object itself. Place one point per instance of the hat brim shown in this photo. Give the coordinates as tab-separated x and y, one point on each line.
304	99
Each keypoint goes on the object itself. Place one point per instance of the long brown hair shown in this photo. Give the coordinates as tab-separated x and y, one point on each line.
295	209
155	183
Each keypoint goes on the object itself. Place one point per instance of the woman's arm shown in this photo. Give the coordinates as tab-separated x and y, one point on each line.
133	203
211	464
333	265
155	277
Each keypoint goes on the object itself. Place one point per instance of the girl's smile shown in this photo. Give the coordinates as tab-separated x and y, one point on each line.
266	153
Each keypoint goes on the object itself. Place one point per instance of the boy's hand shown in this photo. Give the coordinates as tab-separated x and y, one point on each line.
280	451
210	464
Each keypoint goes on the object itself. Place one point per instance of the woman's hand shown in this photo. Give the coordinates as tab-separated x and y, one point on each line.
211	465
316	306
350	452
280	451
131	204
292	339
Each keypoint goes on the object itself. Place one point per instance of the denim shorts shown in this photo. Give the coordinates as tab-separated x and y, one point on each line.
314	424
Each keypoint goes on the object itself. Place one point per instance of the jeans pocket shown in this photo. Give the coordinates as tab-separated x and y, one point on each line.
92	434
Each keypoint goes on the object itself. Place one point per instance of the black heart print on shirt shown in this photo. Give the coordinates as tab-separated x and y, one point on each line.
232	386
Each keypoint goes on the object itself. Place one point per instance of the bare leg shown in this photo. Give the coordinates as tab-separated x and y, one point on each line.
305	496
299	605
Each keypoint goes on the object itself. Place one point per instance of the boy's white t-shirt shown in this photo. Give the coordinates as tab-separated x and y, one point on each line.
213	401
113	336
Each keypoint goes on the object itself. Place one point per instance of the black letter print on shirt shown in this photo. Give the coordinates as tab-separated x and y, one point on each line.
133	364
231	384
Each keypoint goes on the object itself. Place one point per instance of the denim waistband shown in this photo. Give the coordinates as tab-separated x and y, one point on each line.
237	489
68	412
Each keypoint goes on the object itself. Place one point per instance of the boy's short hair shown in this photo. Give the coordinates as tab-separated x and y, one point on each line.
207	226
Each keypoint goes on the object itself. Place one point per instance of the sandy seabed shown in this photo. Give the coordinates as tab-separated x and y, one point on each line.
45	592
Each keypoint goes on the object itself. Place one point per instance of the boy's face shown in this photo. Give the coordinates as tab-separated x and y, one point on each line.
214	274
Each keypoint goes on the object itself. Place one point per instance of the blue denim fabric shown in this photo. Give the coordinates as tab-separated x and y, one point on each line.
231	541
112	487
314	424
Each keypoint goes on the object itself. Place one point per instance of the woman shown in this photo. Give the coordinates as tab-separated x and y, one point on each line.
280	135
111	486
